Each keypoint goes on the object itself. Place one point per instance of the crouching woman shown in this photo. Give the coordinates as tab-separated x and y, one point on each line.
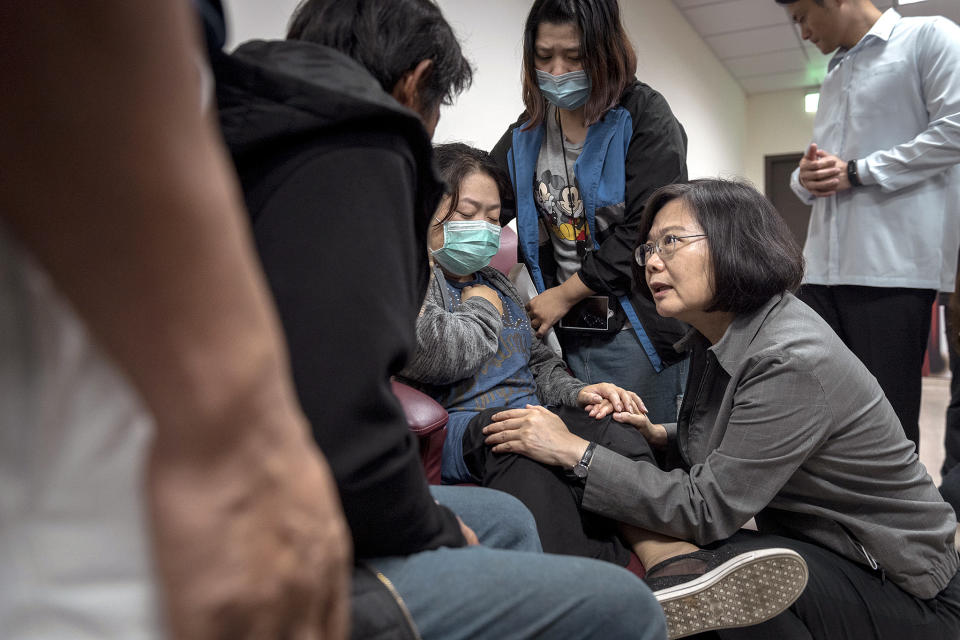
780	422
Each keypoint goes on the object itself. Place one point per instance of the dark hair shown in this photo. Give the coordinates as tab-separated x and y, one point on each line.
608	57
752	251
455	161
389	38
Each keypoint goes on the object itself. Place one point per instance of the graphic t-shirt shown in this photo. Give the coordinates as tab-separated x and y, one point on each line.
504	381
556	193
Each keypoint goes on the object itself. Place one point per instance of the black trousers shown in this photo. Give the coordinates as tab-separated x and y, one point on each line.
950	471
848	601
552	494
887	328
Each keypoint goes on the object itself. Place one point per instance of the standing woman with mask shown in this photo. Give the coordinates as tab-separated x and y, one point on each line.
590	148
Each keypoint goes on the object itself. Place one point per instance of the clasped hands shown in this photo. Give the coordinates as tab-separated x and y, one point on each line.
822	174
540	434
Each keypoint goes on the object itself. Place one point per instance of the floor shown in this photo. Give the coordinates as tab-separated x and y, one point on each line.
936	396
934	401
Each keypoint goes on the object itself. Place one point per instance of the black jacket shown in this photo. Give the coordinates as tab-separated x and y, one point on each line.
339	182
656	150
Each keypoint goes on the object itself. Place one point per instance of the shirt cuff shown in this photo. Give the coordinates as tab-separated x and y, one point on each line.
800	190
671	428
613	486
604	489
864	172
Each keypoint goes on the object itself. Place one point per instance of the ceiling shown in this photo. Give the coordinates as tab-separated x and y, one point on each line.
756	41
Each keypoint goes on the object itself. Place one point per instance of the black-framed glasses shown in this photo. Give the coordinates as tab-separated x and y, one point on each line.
665	247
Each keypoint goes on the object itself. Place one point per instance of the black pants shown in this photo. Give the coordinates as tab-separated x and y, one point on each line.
552	494
887	328
848	601
950	471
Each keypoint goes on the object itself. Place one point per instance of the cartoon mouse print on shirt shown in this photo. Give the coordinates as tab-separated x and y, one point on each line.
561	207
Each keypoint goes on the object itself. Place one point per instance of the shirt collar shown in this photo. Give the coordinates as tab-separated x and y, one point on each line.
882	29
730	348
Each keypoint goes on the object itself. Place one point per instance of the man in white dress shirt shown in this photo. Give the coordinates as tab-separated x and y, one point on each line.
883	177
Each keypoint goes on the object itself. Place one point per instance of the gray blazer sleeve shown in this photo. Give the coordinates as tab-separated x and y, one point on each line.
453	345
764	444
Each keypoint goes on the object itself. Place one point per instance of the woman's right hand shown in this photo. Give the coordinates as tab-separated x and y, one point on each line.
485	292
655	434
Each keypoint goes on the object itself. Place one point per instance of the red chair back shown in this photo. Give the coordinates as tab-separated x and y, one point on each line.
506	257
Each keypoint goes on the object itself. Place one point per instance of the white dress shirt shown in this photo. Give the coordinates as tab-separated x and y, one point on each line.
892	102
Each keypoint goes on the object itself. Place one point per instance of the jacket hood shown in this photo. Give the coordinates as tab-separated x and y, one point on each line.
271	90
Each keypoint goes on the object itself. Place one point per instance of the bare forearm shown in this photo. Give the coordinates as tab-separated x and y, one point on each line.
141	223
574	290
115	181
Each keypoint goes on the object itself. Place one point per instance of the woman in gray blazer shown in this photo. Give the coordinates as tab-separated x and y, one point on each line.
780	423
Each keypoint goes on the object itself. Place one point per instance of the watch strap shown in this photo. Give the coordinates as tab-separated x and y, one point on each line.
580	469
853	174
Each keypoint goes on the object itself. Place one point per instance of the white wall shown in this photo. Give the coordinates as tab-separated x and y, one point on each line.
256	19
706	99
491	34
778	124
671	58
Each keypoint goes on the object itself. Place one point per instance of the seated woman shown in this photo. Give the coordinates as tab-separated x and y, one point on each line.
780	422
477	355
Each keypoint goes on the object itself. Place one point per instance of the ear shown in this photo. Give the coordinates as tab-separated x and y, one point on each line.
407	89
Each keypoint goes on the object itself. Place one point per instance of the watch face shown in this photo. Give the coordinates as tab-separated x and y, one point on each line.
580	471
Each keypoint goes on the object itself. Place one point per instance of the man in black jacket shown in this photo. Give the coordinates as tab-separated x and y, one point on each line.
330	131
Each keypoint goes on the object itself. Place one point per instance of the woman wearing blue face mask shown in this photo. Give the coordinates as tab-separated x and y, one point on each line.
477	354
591	147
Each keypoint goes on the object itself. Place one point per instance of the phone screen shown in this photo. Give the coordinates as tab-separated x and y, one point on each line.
590	314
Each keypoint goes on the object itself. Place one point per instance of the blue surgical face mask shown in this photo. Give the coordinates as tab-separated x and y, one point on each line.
468	246
567	91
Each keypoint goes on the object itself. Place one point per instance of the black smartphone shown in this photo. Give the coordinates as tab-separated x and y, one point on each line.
590	314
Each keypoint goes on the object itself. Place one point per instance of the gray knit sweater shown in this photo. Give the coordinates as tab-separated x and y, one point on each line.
454	345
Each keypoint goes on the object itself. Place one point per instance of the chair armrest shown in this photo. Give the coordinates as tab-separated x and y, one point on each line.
424	414
427	420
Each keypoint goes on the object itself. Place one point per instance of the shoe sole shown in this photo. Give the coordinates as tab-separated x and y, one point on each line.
745	590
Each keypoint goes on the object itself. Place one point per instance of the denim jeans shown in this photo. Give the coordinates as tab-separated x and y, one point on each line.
619	358
513	591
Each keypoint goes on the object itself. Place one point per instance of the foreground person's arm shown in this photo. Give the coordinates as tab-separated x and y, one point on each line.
117	184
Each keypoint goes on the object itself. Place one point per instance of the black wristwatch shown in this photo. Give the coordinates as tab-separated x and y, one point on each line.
581	468
853	175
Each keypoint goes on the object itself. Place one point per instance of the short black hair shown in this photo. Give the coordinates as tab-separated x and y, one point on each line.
752	251
455	161
389	38
608	57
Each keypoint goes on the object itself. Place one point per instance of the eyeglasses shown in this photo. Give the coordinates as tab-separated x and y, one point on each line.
665	247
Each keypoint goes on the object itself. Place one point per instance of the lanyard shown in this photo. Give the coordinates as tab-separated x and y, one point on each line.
581	244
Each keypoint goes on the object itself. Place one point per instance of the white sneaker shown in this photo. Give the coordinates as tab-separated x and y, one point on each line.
748	589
